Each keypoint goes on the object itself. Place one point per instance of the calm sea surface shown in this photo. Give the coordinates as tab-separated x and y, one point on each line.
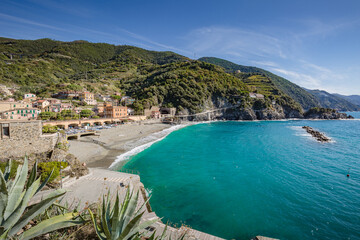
237	180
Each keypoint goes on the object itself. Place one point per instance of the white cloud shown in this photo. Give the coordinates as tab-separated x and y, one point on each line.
303	80
233	41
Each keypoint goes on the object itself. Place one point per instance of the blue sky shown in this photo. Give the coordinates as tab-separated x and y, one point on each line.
315	44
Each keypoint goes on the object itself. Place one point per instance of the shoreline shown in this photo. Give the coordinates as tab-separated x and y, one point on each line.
102	150
114	146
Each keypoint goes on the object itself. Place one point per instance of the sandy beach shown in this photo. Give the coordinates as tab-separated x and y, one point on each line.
101	151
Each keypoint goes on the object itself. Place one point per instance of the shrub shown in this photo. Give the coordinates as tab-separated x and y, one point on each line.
16	211
14	166
46	168
49	129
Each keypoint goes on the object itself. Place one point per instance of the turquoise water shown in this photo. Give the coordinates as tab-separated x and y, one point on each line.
237	180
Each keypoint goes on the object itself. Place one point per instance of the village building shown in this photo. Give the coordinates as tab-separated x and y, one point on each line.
167	112
5	91
87	97
153	112
20	114
29	95
131	112
99	108
58	107
256	95
115	111
20	138
43	105
66	95
8	105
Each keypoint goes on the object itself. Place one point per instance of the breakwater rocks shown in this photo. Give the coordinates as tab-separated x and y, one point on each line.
316	134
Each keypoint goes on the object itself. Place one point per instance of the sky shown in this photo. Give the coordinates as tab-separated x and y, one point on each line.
315	44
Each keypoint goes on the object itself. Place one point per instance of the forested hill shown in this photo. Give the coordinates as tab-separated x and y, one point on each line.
306	100
46	66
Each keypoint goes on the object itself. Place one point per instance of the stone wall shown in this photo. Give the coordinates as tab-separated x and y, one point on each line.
24	138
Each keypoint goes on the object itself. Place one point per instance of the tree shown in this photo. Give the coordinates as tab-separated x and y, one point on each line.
86	113
47	115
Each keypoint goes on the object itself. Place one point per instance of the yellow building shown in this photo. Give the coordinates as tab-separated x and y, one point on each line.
87	97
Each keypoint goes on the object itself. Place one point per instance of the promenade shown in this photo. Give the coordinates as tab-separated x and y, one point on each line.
89	189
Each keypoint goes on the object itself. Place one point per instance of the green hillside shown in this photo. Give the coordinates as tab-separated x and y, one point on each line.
46	66
300	95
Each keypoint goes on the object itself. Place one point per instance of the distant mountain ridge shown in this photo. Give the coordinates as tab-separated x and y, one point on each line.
354	99
307	98
328	100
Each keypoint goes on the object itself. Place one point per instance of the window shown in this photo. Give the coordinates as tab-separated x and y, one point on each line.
5	130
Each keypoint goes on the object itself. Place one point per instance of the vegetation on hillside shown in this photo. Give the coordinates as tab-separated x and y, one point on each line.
297	93
154	78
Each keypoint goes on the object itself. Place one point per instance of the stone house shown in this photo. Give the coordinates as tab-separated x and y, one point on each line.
20	138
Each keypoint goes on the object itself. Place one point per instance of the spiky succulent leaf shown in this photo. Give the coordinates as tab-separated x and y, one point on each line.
105	219
16	214
36	209
115	220
131	227
7	170
16	190
3	196
51	224
32	176
130	210
45	182
96	226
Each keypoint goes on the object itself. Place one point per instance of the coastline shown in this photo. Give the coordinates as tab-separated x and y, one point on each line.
101	151
114	146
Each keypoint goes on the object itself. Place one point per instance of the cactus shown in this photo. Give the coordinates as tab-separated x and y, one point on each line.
120	221
15	211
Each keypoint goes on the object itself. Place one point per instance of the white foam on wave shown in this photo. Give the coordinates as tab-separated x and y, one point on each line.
140	145
299	131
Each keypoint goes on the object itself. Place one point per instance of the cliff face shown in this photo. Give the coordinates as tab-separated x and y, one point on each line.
221	110
328	116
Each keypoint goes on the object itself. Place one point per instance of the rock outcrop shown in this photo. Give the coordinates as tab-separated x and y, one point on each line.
316	134
325	113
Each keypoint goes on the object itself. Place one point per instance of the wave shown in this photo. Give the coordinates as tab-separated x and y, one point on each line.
144	143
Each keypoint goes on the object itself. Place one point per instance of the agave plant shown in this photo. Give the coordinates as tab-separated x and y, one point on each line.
120	221
15	211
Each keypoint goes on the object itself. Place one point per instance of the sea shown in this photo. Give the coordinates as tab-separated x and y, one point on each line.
238	179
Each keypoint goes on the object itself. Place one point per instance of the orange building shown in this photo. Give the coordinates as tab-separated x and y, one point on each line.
115	111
